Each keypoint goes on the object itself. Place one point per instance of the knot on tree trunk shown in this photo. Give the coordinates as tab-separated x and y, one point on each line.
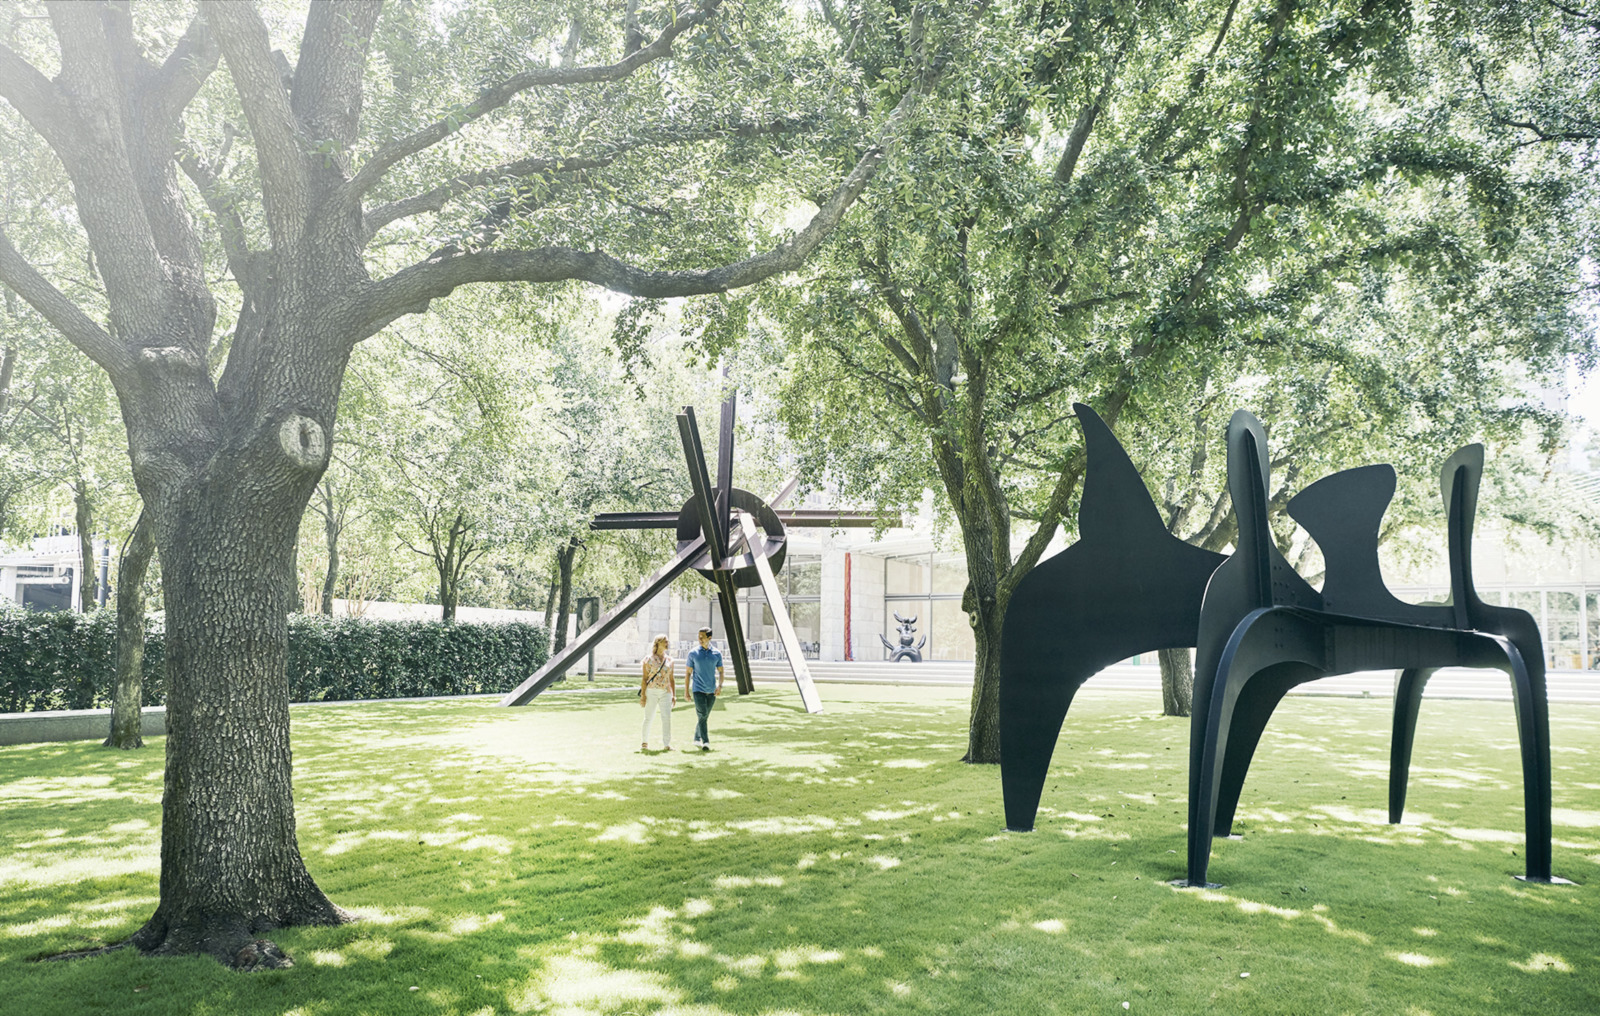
304	441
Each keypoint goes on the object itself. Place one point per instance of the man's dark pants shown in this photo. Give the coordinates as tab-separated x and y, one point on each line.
703	701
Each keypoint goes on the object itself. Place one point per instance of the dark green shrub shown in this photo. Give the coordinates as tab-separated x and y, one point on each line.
67	661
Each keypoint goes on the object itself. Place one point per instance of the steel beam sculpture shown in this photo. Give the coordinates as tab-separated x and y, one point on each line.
730	536
1128	586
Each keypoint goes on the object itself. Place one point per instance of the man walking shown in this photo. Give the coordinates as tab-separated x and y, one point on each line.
702	679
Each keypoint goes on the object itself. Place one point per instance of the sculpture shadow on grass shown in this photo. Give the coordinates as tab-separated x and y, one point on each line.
1128	586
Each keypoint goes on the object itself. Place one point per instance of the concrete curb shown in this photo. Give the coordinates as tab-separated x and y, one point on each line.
73	725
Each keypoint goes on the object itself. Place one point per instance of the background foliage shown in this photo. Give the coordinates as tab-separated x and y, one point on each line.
67	661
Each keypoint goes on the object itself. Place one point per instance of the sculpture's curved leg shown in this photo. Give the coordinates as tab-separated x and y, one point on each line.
1407	704
1033	712
1270	651
1254	707
1533	734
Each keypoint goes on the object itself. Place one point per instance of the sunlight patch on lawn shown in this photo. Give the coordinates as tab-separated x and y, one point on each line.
575	986
746	882
393	915
1412	959
1543	963
457	838
906	763
1483	835
1575	818
466	924
1053	926
884	863
133	859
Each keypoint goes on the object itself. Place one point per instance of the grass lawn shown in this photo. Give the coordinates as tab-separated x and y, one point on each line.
532	860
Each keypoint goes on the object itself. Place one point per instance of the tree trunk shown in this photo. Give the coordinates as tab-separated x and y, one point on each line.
86	561
983	730
564	560
128	694
1177	681
550	600
230	863
986	613
330	529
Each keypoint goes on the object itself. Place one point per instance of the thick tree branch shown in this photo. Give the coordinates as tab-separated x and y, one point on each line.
436	198
32	94
248	51
62	313
327	80
186	68
230	226
492	98
411	289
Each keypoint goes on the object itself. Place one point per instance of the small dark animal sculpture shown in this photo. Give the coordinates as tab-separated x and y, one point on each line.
905	650
1129	586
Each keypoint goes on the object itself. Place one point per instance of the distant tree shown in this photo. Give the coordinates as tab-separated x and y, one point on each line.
1144	195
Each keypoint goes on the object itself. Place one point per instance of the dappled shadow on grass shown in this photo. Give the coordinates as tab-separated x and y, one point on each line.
532	860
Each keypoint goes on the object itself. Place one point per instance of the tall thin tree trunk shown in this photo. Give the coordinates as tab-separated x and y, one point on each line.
127	697
87	564
330	529
550	600
1177	681
564	560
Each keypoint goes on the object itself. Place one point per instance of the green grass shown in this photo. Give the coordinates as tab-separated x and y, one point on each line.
533	861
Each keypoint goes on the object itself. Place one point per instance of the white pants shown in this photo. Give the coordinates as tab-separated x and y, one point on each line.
658	698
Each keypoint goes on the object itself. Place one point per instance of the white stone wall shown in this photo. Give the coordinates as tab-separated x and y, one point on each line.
866	606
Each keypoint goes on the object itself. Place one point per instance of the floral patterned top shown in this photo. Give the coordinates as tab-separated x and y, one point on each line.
661	675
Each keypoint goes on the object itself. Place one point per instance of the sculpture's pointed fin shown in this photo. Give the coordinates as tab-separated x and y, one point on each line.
1115	499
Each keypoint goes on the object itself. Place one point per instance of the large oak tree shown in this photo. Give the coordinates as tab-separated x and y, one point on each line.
349	172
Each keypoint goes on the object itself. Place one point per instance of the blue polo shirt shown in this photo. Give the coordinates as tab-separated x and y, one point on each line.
703	664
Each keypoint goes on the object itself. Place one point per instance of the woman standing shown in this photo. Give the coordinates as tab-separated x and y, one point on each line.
657	690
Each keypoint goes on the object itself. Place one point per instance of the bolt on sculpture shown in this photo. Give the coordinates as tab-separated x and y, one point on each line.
727	534
1129	586
905	650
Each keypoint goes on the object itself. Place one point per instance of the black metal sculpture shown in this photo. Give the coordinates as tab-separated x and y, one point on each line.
730	536
1259	628
905	650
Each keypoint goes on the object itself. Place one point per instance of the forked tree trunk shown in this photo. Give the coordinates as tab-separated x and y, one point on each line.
1177	681
127	699
231	866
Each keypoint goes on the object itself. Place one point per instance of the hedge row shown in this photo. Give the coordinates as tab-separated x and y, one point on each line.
67	661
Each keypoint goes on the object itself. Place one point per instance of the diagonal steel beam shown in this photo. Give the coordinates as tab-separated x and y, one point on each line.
695	455
733	629
590	637
725	466
780	617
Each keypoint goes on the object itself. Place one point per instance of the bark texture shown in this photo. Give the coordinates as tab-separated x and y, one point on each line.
1177	681
127	698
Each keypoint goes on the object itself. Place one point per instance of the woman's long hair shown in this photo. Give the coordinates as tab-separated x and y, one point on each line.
659	640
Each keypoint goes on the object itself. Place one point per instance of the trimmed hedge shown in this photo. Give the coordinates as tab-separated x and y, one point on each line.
65	660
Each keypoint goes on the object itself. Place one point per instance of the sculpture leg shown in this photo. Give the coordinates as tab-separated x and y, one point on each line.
1533	734
1033	705
1407	703
1209	726
733	628
1254	708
